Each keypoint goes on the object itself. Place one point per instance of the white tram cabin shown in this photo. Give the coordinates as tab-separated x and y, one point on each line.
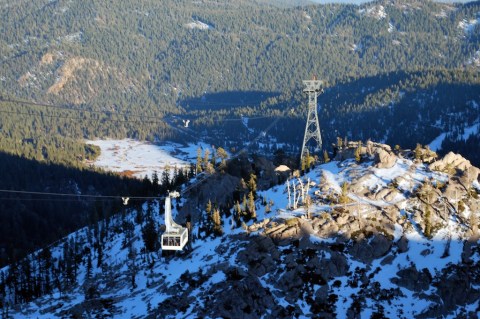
175	241
175	236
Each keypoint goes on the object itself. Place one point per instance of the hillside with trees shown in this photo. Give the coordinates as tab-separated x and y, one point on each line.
123	67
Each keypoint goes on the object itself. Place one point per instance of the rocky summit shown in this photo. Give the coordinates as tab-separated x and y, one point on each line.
378	232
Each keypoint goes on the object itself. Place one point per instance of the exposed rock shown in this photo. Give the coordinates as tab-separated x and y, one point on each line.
450	163
387	260
336	266
402	244
246	298
425	252
384	159
412	279
267	173
468	251
261	256
321	294
291	282
366	251
455	288
328	229
469	175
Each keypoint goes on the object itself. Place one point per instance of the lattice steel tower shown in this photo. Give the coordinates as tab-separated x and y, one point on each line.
312	129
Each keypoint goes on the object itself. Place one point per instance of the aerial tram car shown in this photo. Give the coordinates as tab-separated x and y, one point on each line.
175	236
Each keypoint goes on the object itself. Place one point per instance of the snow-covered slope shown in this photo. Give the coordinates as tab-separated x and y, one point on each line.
399	241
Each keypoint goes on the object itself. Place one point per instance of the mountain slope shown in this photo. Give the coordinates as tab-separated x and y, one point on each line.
134	62
394	243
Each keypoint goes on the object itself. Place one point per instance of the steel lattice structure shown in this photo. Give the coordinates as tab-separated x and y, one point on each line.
312	129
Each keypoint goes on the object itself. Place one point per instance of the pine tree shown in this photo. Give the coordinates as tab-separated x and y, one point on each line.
358	156
326	159
237	213
99	256
344	196
339	143
155	182
428	225
132	265
418	152
208	225
213	158
89	266
150	235
217	222
252	184
251	206
206	157
166	182
222	154
198	166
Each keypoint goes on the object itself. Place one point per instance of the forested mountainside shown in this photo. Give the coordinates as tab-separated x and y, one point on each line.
40	203
133	62
436	107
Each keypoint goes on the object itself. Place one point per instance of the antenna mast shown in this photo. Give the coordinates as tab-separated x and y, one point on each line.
312	128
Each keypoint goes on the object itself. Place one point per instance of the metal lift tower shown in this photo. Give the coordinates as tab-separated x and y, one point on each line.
312	129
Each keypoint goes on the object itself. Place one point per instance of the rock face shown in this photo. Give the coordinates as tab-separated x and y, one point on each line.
384	159
450	162
245	298
412	279
381	153
366	251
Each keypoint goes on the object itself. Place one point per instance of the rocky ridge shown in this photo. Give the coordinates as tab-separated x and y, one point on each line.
389	233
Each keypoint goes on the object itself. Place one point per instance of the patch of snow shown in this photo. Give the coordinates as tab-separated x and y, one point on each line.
391	28
142	158
441	14
475	59
377	12
436	144
476	184
356	47
396	42
468	25
73	37
198	25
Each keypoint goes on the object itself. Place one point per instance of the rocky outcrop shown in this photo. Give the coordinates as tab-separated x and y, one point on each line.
456	287
261	256
244	298
384	158
451	162
368	250
412	279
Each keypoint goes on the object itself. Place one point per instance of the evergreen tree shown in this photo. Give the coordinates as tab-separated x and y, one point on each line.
217	222
155	183
132	265
166	182
206	157
358	156
88	274
326	159
150	235
199	164
251	206
428	225
252	184
344	195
